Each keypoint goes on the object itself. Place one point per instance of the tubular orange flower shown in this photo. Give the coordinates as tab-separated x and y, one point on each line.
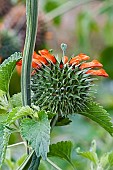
19	63
92	64
45	53
65	58
77	59
40	59
45	57
36	64
100	72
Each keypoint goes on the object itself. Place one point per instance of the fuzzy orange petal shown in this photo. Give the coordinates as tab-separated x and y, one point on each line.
36	64
19	63
83	56
50	57
92	64
19	69
100	72
41	59
77	59
65	59
43	52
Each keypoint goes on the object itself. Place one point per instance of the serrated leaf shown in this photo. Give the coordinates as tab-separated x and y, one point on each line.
16	100
61	149
17	113
110	158
6	70
4	104
4	138
37	133
92	156
96	113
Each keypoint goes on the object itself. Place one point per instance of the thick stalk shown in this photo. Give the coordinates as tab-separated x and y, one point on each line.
31	30
31	15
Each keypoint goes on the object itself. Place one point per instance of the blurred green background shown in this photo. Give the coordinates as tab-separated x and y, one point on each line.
86	26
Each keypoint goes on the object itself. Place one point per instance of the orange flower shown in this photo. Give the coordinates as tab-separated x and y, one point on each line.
77	59
45	53
44	57
38	60
19	63
100	72
92	64
65	59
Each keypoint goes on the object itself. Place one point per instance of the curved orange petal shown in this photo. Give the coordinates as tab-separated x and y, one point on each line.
19	69
36	64
83	56
34	54
50	58
92	64
65	59
19	63
77	59
43	52
100	72
41	59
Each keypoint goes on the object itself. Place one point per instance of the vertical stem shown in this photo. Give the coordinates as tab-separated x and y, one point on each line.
31	30
31	15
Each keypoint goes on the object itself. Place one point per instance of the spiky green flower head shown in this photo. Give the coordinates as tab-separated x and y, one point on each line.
63	87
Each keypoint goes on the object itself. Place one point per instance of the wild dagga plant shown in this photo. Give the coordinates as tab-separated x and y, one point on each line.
50	92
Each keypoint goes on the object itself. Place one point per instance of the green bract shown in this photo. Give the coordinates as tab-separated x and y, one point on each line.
63	91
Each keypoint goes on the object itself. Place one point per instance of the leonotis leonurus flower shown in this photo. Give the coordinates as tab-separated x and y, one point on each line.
62	87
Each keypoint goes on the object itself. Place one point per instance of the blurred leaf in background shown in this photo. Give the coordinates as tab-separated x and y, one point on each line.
106	58
107	9
85	25
51	5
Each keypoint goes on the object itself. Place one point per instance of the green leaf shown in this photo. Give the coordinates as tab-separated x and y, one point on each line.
61	149
3	118
17	113
4	138
96	113
62	121
104	58
6	70
107	8
110	158
104	160
4	104
37	133
92	156
16	100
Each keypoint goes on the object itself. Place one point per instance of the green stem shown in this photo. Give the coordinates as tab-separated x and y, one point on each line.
16	144
31	30
54	165
31	14
25	165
